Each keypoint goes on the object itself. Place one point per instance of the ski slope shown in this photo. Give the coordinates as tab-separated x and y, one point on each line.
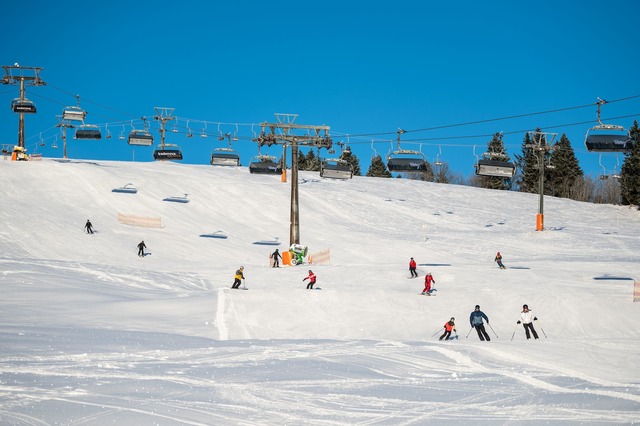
92	334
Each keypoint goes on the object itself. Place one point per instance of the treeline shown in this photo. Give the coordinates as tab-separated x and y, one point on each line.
563	176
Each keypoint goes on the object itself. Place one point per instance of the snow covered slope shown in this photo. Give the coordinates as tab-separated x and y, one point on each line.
93	334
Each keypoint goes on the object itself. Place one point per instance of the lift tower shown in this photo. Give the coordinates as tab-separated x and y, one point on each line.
316	136
22	76
541	144
163	115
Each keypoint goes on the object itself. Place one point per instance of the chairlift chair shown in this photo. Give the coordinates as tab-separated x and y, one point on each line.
335	168
88	131
607	137
265	164
23	106
167	152
73	113
140	137
403	160
224	157
497	168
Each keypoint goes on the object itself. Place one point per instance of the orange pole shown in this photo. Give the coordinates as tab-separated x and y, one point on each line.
539	222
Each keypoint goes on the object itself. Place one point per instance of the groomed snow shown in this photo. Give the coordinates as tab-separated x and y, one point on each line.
91	334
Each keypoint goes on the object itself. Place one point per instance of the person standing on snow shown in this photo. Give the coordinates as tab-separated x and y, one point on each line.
274	256
237	279
498	260
312	280
448	326
527	318
412	268
476	322
428	280
141	248
89	227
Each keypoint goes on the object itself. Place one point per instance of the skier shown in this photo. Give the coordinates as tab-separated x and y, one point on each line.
274	256
412	268
448	326
526	319
238	278
476	322
141	248
498	260
89	227
312	280
428	280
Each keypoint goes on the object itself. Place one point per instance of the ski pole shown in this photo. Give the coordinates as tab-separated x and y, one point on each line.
494	332
244	287
436	332
542	329
469	332
514	331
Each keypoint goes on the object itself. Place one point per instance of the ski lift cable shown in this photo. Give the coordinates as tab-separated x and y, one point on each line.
440	138
497	118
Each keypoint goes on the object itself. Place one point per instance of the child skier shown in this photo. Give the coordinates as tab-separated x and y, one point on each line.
498	260
238	278
448	326
527	318
312	280
428	280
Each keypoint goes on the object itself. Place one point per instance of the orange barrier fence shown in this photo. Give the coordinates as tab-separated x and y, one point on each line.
142	221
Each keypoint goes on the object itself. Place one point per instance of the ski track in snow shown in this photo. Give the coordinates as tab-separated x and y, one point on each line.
91	334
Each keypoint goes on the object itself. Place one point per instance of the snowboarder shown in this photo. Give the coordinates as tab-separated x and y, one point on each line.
237	279
89	227
526	319
498	260
428	280
476	322
412	268
141	248
448	326
274	257
312	280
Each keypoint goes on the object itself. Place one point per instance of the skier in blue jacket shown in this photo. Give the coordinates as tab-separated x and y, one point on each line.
476	322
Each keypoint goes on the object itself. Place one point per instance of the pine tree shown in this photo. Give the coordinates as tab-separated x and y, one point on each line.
565	173
630	172
309	163
378	168
496	150
352	160
302	160
527	165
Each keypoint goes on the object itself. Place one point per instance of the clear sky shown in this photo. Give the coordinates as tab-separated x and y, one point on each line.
363	68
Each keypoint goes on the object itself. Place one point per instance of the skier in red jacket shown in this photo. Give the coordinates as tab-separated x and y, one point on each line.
428	280
412	268
312	280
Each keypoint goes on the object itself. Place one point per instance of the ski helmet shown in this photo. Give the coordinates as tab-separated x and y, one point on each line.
477	306
525	306
453	319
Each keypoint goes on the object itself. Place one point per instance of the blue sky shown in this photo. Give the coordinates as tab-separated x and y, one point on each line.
364	69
